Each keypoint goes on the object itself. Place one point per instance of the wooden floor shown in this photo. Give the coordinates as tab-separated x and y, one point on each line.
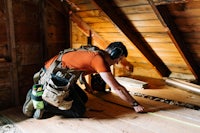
108	114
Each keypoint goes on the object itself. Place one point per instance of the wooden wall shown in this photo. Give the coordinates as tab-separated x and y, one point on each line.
187	19
57	27
5	78
31	32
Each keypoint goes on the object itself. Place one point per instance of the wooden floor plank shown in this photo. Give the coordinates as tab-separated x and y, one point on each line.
158	87
109	114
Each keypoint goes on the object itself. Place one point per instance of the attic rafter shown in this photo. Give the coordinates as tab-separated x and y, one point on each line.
167	21
109	7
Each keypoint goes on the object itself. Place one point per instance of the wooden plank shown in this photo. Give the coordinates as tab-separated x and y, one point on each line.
110	121
106	30
190	12
165	2
190	21
91	13
139	9
151	29
156	39
194	35
169	53
143	16
190	9
89	20
193	41
155	34
147	23
31	49
106	116
131	83
130	2
102	25
164	92
189	29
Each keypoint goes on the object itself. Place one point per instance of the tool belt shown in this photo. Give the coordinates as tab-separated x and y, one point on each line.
56	89
56	86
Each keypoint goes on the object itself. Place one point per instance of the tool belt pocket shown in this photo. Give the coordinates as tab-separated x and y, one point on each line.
55	95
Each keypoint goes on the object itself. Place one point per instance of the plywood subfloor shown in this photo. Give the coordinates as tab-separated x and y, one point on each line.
108	114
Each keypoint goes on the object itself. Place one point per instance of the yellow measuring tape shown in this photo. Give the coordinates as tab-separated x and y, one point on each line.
176	120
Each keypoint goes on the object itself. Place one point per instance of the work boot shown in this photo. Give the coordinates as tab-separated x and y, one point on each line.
28	108
38	113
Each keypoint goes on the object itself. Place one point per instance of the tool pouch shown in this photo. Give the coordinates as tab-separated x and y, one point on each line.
55	91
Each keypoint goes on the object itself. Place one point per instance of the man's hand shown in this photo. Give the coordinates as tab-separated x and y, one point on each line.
138	108
126	65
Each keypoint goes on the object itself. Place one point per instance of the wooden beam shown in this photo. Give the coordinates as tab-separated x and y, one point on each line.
118	17
175	35
13	52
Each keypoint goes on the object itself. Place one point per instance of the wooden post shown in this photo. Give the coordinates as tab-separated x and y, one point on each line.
13	68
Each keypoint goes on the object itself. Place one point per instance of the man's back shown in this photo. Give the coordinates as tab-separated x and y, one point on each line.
83	60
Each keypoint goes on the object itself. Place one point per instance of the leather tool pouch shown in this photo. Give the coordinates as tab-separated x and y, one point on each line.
56	90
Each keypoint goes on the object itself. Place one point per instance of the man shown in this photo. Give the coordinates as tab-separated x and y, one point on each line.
87	62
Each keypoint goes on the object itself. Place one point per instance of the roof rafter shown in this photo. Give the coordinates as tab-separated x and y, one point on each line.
108	6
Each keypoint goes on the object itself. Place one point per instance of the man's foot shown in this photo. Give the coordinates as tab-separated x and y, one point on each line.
38	113
28	108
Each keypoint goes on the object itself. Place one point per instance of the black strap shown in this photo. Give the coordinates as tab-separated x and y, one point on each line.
36	98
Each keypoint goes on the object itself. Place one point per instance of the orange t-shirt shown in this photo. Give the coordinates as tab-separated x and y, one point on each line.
88	61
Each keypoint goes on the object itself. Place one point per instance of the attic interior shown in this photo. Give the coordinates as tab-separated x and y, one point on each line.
162	38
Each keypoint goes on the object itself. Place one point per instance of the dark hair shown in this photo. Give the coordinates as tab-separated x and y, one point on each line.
116	49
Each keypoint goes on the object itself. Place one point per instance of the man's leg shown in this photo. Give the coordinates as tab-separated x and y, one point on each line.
77	110
80	93
28	108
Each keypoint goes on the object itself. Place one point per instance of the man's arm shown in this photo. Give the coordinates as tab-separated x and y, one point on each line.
120	90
